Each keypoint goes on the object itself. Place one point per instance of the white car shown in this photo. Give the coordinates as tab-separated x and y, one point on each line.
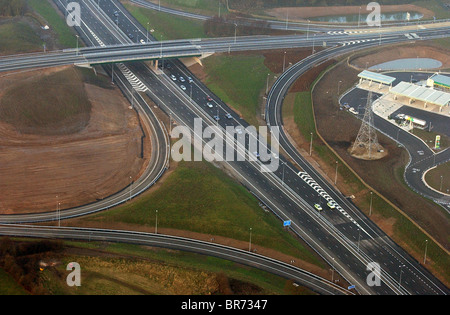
318	207
331	205
183	87
174	78
209	105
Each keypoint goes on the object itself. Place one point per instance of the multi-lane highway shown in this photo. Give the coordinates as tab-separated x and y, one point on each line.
343	237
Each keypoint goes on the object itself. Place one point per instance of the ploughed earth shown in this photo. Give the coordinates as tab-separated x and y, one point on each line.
67	138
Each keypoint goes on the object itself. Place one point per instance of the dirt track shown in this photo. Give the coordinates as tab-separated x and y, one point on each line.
37	172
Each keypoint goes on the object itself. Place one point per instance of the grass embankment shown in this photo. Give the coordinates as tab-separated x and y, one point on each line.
239	81
50	105
166	25
198	197
131	269
8	286
439	177
18	37
206	7
65	35
385	214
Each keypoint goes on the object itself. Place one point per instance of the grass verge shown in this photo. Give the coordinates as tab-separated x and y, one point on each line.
164	24
18	37
131	269
198	197
65	35
238	80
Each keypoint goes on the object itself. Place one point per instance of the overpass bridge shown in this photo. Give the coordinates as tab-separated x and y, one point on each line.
197	48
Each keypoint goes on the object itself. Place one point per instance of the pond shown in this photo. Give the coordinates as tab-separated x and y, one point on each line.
408	64
353	18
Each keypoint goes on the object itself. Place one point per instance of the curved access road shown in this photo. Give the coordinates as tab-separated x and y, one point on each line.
386	250
282	269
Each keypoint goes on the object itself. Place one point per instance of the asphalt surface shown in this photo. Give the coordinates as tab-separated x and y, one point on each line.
345	239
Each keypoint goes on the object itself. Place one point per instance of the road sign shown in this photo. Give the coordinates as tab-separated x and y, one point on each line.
287	223
351	287
437	144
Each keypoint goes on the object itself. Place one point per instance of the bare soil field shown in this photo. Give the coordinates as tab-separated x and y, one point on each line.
303	13
413	50
39	171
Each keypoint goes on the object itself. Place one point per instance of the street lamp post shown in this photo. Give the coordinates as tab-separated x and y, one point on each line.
359	238
310	145
370	207
131	184
156	223
307	32
77	44
250	242
359	16
335	176
425	256
400	280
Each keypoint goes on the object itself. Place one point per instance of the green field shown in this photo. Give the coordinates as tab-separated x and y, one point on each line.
206	7
8	286
240	81
199	197
439	177
18	37
131	269
65	35
166	25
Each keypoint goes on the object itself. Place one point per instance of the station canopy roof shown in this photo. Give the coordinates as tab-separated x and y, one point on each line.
377	77
440	79
421	93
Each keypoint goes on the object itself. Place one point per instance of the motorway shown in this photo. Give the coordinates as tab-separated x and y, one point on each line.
346	240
